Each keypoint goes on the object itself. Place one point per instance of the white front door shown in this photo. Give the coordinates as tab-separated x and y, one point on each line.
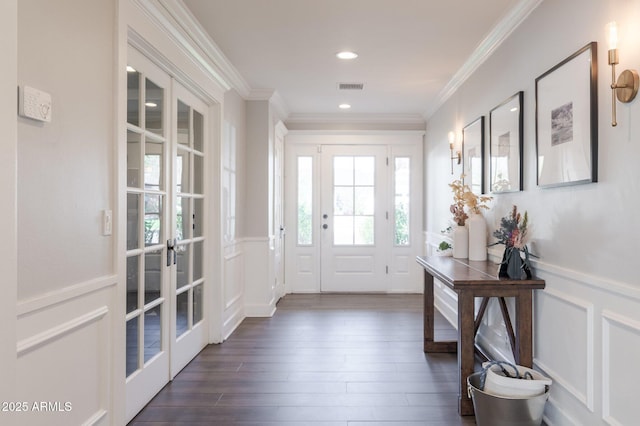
354	218
353	213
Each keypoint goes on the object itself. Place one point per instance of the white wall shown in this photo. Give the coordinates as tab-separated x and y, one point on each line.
8	218
66	276
587	321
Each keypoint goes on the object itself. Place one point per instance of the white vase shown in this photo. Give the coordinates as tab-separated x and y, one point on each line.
477	237
460	242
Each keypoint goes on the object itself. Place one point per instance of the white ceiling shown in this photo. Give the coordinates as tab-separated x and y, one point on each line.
410	50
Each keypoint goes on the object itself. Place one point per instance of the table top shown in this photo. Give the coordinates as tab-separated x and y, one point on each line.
463	273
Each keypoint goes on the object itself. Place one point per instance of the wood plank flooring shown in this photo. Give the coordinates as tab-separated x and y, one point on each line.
322	360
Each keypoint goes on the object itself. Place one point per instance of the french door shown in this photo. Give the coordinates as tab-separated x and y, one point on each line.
354	218
166	208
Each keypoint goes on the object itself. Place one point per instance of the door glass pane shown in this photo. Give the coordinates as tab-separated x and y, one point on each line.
152	332
132	345
152	219
153	165
133	97
182	313
133	282
363	233
198	131
343	230
182	171
153	107
197	260
305	200
364	170
183	123
198	217
343	201
182	270
364	201
183	218
134	163
197	303
133	221
401	202
198	174
152	276
343	171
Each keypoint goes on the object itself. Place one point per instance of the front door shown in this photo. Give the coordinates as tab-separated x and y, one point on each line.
354	218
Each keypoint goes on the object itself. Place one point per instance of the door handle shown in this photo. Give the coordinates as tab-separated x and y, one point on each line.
171	252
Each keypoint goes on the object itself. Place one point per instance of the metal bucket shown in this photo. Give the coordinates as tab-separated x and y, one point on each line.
494	410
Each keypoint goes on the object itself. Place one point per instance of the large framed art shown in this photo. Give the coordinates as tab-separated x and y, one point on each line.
505	147
567	121
473	155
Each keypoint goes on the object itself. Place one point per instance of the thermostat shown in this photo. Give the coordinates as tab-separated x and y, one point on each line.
35	104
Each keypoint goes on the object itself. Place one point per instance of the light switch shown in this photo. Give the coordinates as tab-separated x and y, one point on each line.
34	104
107	222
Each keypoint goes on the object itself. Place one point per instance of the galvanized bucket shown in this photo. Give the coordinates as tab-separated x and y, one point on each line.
494	410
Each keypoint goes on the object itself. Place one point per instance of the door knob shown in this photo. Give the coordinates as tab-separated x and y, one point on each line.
325	226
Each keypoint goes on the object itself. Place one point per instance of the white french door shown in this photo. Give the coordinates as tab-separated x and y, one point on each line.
354	218
166	210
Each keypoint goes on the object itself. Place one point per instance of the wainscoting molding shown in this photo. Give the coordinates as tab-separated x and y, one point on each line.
620	348
64	349
233	288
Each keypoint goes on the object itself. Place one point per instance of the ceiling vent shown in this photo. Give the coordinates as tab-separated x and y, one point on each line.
350	86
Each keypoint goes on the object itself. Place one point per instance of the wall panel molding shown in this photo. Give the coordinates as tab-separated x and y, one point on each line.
26	345
66	294
610	321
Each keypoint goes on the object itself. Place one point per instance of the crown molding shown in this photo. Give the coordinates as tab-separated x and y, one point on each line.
511	20
184	29
273	96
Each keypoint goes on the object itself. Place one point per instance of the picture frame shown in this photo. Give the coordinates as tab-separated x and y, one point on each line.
506	145
567	121
473	155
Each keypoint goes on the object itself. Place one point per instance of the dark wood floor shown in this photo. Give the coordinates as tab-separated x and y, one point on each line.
322	360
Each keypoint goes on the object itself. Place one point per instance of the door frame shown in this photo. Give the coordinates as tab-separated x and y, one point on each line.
304	276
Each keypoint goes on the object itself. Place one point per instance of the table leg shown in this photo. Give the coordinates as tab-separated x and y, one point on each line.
466	349
430	345
524	326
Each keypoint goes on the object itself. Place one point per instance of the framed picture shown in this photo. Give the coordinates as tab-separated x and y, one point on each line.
505	147
473	155
567	121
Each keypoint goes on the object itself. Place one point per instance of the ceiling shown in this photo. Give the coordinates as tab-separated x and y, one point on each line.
410	51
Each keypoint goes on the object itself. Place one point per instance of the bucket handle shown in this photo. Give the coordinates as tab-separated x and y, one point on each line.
527	375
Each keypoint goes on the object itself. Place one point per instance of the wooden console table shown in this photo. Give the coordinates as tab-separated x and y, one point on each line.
470	280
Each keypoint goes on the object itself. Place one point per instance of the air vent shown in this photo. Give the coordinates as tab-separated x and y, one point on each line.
350	86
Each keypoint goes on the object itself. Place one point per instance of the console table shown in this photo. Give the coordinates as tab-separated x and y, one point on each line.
470	280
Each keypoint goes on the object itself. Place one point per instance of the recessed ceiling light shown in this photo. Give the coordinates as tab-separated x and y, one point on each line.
347	55
151	104
130	68
344	106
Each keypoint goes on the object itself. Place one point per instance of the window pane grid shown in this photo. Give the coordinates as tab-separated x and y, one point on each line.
305	200
353	200
402	188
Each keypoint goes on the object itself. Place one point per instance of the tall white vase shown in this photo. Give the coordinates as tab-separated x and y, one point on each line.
460	242
477	237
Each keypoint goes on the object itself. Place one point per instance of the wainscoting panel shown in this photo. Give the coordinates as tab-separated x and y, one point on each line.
621	347
64	349
233	289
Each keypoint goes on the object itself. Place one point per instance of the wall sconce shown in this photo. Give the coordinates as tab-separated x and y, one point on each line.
458	154
625	87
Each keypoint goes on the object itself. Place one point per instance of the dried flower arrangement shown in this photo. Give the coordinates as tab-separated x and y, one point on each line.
463	196
514	234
